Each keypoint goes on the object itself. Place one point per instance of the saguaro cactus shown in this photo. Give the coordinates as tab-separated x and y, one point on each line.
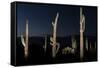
82	29
86	44
25	40
45	45
90	46
74	43
55	45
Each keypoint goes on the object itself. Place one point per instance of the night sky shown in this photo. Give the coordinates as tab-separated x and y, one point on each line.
40	19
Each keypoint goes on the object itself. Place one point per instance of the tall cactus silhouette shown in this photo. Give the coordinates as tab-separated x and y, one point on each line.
82	29
74	45
90	46
86	43
45	45
55	45
25	40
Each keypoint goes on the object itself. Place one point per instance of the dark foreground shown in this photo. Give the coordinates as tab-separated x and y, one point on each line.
38	56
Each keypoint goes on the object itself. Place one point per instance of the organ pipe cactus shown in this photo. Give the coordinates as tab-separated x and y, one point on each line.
53	41
82	29
25	40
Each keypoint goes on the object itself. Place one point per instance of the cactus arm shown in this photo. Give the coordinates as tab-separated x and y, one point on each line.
51	39
82	19
57	18
51	44
53	24
84	24
22	40
58	46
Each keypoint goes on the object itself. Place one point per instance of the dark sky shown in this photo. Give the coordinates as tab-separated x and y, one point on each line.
40	19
